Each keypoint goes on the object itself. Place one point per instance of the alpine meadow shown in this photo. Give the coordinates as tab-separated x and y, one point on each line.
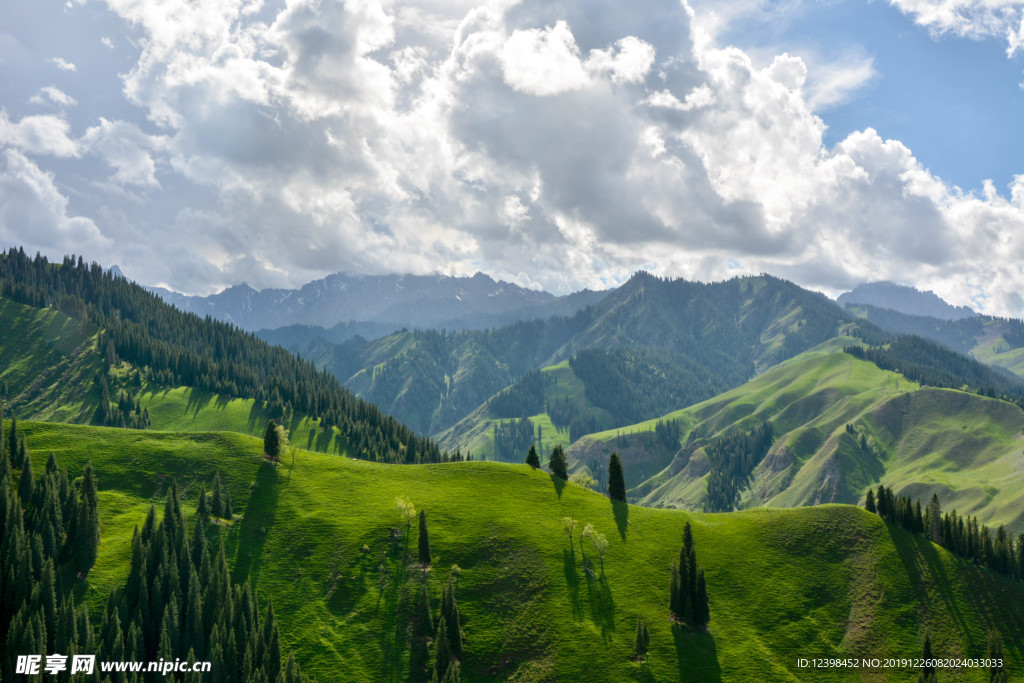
427	341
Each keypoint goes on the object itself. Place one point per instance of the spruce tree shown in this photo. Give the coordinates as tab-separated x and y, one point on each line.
87	527
424	541
616	479
272	441
557	463
532	459
869	502
701	609
424	618
203	505
26	484
217	503
442	651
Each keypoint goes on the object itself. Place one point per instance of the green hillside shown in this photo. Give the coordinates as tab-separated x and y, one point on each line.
559	385
47	363
321	536
964	447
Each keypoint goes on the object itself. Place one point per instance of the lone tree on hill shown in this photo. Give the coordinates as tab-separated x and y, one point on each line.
616	479
424	549
274	441
557	463
532	459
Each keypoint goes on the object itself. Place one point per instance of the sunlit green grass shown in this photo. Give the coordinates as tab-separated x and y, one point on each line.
813	582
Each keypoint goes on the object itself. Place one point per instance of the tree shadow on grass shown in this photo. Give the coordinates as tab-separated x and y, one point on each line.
924	568
559	484
602	606
621	512
991	598
257	522
696	654
572	583
257	418
197	400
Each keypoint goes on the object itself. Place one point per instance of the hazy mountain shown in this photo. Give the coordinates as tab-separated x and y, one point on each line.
717	335
904	299
392	301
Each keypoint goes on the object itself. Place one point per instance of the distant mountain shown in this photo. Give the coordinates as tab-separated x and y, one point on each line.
999	342
904	300
389	301
684	341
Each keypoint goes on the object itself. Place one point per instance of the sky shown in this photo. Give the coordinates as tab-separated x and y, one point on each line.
557	144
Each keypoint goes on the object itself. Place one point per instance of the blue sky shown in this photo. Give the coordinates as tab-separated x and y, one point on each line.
957	102
554	143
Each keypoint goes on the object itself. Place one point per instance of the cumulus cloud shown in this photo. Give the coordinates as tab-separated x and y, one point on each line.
44	134
970	18
34	213
558	143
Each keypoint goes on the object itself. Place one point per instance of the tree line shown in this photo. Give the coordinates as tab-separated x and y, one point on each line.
959	534
176	348
733	458
927	362
50	535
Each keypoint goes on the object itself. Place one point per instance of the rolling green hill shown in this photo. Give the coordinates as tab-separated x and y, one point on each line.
321	536
918	440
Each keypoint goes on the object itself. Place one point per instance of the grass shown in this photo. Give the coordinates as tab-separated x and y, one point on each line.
474	434
920	441
814	582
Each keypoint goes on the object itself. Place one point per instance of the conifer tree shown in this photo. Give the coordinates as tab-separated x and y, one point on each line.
424	541
26	484
217	503
701	609
616	479
869	502
557	463
203	505
424	618
87	527
442	651
532	459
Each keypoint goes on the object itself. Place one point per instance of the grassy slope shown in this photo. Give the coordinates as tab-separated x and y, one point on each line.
964	447
475	433
48	362
841	581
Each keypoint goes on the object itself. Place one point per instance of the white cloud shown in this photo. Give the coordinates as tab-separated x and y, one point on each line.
54	95
127	149
833	83
34	213
38	135
553	143
970	18
543	61
107	42
63	65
